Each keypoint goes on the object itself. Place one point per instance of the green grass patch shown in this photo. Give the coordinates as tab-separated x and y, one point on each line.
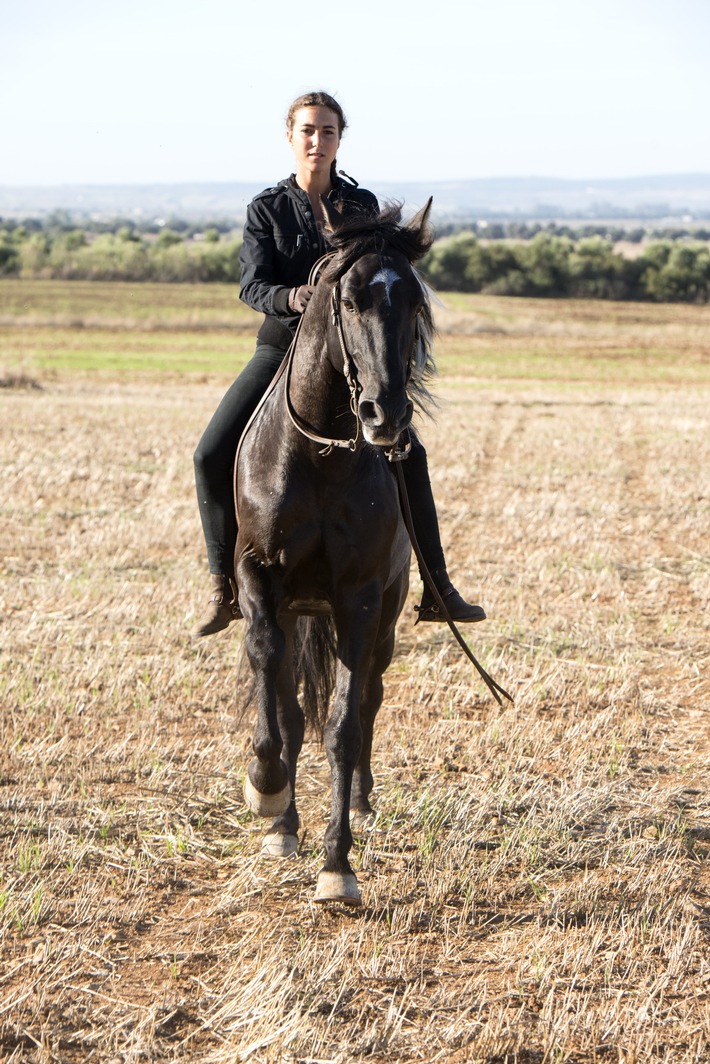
55	328
65	350
116	302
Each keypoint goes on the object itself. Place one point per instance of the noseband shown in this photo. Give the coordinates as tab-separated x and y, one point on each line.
399	451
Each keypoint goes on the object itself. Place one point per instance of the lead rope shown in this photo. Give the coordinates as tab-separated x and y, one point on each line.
493	686
350	377
349	372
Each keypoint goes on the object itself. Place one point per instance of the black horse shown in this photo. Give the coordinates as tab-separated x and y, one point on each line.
322	554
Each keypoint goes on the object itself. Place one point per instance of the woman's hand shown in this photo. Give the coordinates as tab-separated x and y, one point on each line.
298	298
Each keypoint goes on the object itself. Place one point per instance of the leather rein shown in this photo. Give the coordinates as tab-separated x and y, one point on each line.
396	454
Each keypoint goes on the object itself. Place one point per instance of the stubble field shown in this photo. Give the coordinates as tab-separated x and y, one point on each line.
536	884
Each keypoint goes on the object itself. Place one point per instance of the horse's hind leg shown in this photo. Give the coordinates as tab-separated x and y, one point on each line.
282	838
361	811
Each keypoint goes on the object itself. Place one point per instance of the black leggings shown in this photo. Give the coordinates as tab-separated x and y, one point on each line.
214	468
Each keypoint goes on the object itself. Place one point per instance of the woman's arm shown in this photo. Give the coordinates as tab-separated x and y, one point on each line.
258	288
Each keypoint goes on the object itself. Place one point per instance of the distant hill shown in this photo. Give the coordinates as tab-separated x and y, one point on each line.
654	197
682	196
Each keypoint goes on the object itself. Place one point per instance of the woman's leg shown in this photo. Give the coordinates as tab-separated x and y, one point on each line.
426	529
214	470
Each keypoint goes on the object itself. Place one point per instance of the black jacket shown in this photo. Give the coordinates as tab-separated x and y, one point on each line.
281	244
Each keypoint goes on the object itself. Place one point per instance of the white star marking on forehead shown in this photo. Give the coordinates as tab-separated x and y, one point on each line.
387	277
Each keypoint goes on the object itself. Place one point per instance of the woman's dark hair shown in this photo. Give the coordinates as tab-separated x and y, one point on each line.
316	99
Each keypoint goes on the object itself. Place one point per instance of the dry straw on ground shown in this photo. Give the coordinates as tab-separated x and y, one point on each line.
536	885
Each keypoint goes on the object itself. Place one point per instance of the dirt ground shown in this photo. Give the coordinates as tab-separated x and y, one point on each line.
536	884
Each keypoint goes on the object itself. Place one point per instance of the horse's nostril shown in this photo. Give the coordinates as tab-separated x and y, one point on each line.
385	417
371	413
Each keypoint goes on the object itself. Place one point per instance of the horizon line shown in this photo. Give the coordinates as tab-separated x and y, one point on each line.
695	174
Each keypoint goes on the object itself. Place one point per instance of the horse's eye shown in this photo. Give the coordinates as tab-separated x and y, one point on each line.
349	305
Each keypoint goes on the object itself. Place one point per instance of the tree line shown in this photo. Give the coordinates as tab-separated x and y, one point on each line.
123	255
548	263
557	266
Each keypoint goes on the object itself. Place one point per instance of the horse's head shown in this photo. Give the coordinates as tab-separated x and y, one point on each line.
382	314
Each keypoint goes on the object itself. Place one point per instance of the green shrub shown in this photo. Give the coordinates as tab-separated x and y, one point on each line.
680	274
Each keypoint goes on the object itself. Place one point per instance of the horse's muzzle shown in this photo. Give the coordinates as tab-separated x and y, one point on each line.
384	422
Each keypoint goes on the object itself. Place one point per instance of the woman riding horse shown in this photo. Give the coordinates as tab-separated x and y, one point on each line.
283	239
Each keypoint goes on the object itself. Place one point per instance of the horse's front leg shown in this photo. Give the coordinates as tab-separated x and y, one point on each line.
357	629
282	838
267	788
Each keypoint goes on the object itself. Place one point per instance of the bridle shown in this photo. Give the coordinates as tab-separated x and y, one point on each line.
398	451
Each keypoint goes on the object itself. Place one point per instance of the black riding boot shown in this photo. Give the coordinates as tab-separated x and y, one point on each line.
426	529
456	606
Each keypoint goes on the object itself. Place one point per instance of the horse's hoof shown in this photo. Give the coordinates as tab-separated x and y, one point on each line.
278	845
336	886
271	805
362	821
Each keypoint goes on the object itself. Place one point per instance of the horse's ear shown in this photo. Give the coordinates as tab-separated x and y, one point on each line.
420	222
331	216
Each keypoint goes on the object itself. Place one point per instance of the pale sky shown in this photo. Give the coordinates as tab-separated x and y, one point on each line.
143	91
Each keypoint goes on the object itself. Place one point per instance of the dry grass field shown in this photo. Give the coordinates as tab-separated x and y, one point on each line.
536	885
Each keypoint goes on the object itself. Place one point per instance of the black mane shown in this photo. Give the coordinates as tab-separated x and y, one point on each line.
362	233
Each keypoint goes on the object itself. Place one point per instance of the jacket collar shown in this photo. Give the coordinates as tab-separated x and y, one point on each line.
289	186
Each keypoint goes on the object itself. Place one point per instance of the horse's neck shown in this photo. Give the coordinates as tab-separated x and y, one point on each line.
318	391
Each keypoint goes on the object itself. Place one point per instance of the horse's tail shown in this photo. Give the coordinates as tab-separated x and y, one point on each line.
314	663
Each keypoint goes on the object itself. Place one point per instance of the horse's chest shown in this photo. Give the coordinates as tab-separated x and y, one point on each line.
332	523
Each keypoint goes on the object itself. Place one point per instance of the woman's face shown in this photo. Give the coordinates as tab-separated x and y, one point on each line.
314	138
